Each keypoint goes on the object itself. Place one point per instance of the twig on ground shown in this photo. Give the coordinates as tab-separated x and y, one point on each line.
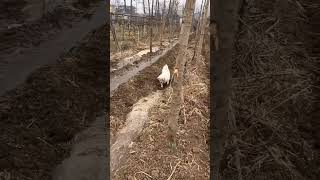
184	114
142	173
42	140
286	100
272	26
232	122
170	95
174	169
84	117
29	125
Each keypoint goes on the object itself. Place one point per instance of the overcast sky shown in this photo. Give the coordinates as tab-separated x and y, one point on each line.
140	4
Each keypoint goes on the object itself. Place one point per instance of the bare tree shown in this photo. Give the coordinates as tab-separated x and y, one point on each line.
158	9
114	35
200	15
144	12
175	16
202	29
149	7
125	6
169	10
43	8
178	73
223	33
170	17
162	22
151	24
123	27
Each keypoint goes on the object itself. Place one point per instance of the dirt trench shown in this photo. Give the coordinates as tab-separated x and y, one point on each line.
135	123
125	73
41	116
137	87
148	156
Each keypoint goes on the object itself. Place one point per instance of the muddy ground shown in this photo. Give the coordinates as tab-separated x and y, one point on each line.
275	134
149	156
31	34
39	118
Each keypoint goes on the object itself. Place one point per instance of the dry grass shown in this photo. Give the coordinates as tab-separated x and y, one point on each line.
274	94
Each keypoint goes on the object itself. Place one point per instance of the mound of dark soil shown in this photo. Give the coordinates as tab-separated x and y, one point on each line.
32	34
11	11
39	118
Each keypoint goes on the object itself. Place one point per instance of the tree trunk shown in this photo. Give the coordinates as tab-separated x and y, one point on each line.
144	8
162	22
197	37
223	33
114	35
158	11
130	24
171	20
144	28
169	9
151	24
125	6
138	35
43	8
200	15
178	73
149	7
123	28
144	12
202	29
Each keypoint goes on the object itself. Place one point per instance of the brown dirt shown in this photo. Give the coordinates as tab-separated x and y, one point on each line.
39	118
117	56
275	94
32	34
150	156
135	123
144	58
11	11
137	87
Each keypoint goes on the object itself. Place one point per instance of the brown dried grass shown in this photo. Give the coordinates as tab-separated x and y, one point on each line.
274	83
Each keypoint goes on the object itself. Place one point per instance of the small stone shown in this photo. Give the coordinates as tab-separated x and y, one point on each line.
253	10
131	145
155	173
151	146
130	178
196	150
151	139
132	152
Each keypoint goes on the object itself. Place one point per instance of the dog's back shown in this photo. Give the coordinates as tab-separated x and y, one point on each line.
165	69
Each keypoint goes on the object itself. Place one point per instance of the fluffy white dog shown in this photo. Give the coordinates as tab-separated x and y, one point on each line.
164	77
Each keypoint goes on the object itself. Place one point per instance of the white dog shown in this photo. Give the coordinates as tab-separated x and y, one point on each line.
164	77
